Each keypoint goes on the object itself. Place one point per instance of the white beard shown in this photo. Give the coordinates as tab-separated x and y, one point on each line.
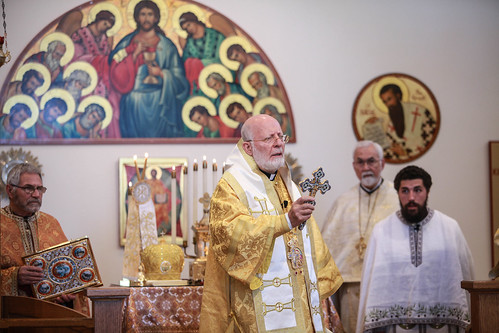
269	166
368	180
74	91
52	63
263	92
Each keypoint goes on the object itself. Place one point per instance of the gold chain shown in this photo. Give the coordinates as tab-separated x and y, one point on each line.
361	245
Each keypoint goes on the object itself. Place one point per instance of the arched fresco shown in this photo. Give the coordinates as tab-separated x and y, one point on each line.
135	71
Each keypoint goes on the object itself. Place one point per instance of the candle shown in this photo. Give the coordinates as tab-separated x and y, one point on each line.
223	168
214	174
185	229
136	167
205	171
174	207
146	155
195	191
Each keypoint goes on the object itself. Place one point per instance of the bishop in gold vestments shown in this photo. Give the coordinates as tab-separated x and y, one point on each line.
262	275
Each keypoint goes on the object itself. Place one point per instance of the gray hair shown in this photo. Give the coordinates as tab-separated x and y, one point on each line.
21	168
97	108
215	76
79	75
367	143
53	45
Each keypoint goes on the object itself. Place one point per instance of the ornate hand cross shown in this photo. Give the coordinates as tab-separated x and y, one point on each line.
314	185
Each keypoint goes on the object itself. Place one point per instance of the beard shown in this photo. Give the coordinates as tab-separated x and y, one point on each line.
31	206
52	63
263	92
74	91
48	118
368	179
221	91
25	89
271	165
396	113
85	123
146	26
414	216
14	123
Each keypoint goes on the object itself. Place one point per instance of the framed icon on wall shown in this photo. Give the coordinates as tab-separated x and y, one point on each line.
400	113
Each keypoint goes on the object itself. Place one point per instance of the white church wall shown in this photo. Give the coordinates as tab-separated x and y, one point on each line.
324	51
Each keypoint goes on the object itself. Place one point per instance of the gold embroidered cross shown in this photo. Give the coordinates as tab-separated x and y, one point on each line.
279	307
263	205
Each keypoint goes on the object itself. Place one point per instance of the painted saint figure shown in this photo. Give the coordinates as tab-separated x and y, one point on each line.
202	47
86	124
10	124
51	59
211	126
412	126
47	126
149	109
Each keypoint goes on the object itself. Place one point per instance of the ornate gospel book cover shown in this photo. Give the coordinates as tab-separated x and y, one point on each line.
68	268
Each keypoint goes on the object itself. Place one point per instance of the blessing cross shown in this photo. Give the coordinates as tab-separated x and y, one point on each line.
313	185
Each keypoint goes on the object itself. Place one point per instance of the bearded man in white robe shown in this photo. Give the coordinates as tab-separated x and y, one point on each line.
414	265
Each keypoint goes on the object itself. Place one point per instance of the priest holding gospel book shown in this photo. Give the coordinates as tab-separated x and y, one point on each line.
24	231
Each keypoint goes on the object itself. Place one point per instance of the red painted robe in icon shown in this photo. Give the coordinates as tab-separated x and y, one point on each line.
95	51
18	240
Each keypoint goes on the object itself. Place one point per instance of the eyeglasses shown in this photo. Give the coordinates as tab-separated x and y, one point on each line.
370	162
30	189
272	139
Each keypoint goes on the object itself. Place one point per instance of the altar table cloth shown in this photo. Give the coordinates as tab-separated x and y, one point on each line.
177	309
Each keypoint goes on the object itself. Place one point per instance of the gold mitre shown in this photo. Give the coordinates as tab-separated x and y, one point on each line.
163	261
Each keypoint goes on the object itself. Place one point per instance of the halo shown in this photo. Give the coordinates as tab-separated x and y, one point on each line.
225	104
159	172
47	78
86	67
163	13
213	68
228	42
70	48
198	100
66	97
27	100
266	101
118	19
381	83
184	9
247	71
100	101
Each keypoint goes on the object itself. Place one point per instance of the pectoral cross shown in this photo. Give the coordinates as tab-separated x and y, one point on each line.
361	247
313	185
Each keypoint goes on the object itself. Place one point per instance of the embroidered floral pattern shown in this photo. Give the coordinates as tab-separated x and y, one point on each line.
416	236
416	314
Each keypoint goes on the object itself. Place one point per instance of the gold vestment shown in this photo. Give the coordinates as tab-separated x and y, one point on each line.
241	246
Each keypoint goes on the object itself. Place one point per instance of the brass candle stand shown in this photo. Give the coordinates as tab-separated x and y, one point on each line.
201	241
